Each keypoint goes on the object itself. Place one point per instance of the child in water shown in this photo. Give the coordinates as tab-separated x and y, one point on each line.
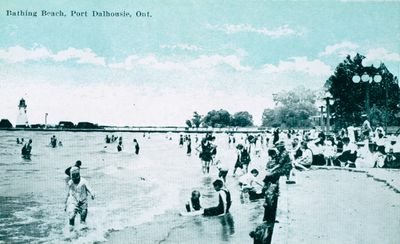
77	198
194	203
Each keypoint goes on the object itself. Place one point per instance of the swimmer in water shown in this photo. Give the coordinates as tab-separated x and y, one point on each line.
180	140
120	146
53	141
26	149
77	198
137	148
189	147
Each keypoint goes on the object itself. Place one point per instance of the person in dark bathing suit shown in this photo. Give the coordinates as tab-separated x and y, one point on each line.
137	148
26	150
224	202
194	202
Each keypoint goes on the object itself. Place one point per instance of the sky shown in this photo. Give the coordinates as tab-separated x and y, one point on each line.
181	56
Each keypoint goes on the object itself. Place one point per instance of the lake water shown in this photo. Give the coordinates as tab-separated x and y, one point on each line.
130	189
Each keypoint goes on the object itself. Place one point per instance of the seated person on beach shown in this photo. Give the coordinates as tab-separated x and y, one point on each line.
317	147
380	143
329	151
77	164
252	184
366	127
77	198
390	159
305	160
224	202
194	203
349	154
295	151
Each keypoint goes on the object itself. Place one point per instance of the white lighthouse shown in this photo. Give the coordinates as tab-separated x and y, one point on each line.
22	119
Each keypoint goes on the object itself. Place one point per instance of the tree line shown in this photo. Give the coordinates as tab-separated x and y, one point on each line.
220	119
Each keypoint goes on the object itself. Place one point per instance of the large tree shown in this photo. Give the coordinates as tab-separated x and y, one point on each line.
294	109
350	99
196	120
242	119
189	123
220	118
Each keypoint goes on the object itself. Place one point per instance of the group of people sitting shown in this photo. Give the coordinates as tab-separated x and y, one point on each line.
344	149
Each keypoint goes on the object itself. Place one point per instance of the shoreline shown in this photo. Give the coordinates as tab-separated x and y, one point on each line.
170	231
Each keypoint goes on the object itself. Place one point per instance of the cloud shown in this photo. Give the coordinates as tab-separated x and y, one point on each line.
201	63
341	49
299	64
84	56
205	62
381	54
20	54
187	47
280	31
149	61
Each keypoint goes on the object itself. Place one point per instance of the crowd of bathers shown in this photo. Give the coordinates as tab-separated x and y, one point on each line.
286	151
289	151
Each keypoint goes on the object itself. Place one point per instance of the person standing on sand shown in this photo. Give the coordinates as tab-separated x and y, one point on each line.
77	198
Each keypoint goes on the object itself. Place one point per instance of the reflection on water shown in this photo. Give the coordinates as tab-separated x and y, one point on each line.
228	226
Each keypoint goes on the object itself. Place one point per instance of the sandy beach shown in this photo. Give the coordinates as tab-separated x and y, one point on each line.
325	206
338	206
